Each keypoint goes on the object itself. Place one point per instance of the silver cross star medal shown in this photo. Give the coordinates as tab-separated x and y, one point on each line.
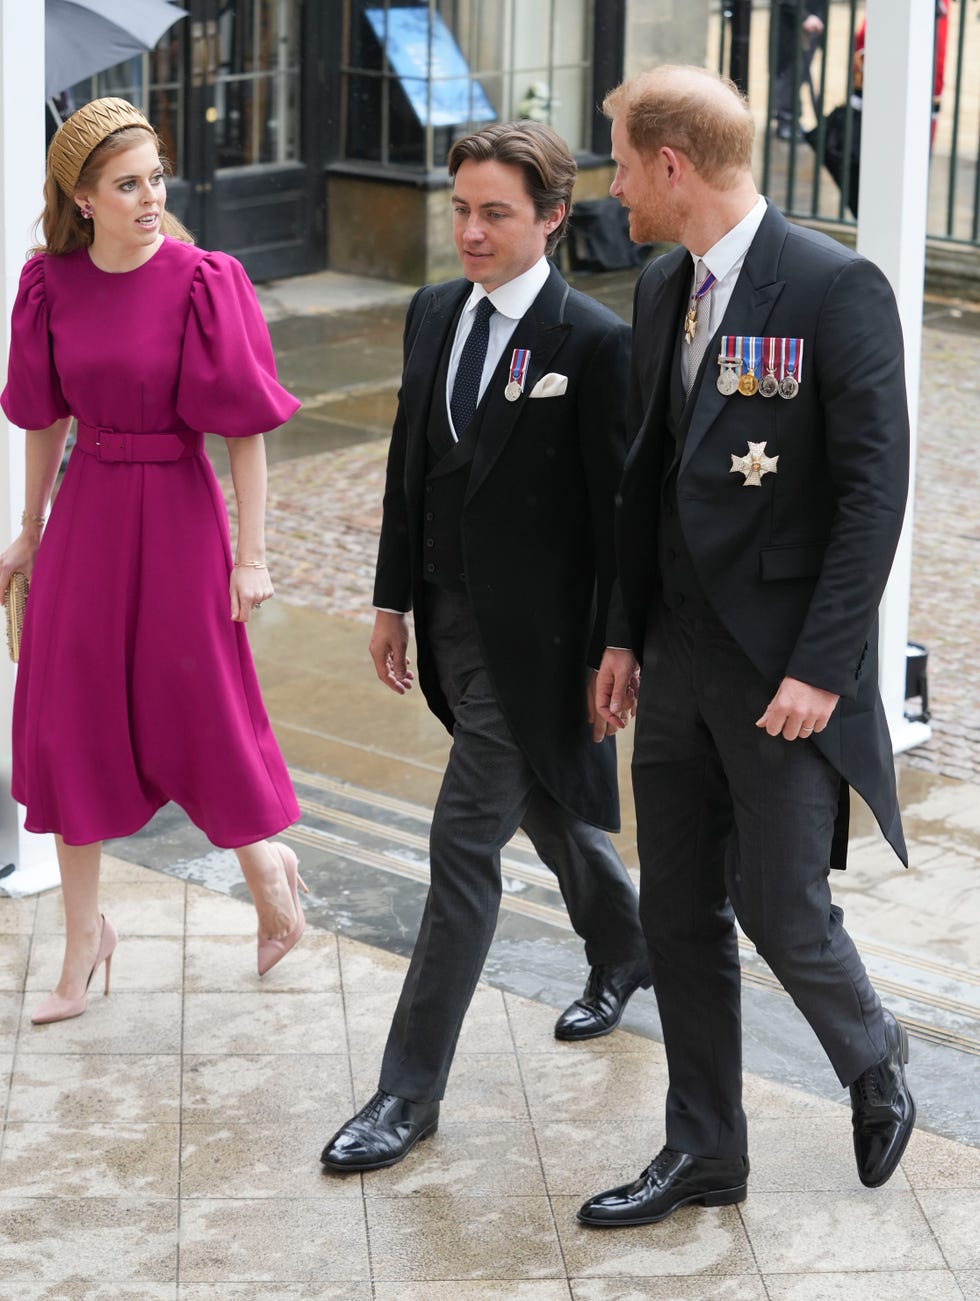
754	465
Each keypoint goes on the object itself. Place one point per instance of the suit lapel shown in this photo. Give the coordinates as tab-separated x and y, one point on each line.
659	330
459	453
756	292
542	331
431	337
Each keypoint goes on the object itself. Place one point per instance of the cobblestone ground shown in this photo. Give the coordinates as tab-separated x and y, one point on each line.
945	598
324	514
325	511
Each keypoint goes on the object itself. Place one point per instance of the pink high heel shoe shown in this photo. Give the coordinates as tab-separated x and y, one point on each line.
273	951
57	1008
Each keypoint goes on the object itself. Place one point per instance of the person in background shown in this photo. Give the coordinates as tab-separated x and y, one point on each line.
839	135
938	61
800	30
136	683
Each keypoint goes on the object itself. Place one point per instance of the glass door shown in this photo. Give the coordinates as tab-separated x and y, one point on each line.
225	90
249	190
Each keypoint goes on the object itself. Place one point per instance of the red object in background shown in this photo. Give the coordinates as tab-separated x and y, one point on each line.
939	59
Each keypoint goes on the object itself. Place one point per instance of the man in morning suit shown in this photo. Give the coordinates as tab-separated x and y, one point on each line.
760	508
505	456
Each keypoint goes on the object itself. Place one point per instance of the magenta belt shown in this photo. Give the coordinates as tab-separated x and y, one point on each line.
113	445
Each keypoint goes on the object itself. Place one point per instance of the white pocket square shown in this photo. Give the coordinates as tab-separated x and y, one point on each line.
550	386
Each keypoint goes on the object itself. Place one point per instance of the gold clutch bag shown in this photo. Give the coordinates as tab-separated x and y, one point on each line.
16	603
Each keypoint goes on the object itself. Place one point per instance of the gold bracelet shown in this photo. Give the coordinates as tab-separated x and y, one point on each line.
250	564
27	518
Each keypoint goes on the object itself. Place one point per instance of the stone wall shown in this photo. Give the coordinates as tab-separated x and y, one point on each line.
665	31
404	232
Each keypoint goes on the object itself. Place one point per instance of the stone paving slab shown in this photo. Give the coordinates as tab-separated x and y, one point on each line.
130	1169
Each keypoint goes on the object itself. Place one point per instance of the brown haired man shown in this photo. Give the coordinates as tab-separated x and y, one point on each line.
506	451
760	508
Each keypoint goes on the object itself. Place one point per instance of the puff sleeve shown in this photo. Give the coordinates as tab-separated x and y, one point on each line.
227	382
32	398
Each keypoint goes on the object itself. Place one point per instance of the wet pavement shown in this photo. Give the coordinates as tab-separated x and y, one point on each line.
163	1146
173	1131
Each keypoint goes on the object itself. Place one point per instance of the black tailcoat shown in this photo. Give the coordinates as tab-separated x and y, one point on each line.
537	525
794	568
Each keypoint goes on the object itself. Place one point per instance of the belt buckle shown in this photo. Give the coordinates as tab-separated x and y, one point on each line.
112	445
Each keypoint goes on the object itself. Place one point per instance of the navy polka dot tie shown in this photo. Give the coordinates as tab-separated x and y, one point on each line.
469	372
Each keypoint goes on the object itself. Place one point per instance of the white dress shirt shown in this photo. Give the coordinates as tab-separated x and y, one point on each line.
510	302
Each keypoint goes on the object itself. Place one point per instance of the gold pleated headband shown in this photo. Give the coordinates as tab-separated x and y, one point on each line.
87	127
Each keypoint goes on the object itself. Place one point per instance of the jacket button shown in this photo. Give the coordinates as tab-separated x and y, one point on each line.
429	515
430	542
430	568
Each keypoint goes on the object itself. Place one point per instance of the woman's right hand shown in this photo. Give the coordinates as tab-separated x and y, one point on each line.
18	557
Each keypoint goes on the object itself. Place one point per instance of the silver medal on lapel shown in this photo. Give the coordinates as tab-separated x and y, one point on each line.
520	359
730	361
769	384
789	385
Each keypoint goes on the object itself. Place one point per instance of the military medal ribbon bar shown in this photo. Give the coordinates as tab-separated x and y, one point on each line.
769	384
743	359
730	361
748	383
789	384
519	362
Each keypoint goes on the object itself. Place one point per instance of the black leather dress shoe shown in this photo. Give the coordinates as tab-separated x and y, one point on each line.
882	1110
672	1179
381	1133
600	1009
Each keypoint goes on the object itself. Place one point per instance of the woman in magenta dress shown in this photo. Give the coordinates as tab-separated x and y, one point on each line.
136	684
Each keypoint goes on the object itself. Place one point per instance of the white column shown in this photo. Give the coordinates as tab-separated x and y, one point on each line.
892	233
22	109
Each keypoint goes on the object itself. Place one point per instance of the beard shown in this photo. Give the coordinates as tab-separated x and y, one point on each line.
650	223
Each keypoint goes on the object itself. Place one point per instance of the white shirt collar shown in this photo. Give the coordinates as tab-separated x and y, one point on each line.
732	248
515	297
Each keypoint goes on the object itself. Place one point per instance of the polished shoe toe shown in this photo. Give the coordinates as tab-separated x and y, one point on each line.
601	1007
673	1179
882	1110
383	1132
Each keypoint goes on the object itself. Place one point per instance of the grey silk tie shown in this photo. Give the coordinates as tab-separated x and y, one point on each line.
469	372
698	345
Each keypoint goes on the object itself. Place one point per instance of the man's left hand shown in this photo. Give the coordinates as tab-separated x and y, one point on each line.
600	728
797	710
613	693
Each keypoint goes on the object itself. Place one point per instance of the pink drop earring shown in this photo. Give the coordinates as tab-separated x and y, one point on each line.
86	211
